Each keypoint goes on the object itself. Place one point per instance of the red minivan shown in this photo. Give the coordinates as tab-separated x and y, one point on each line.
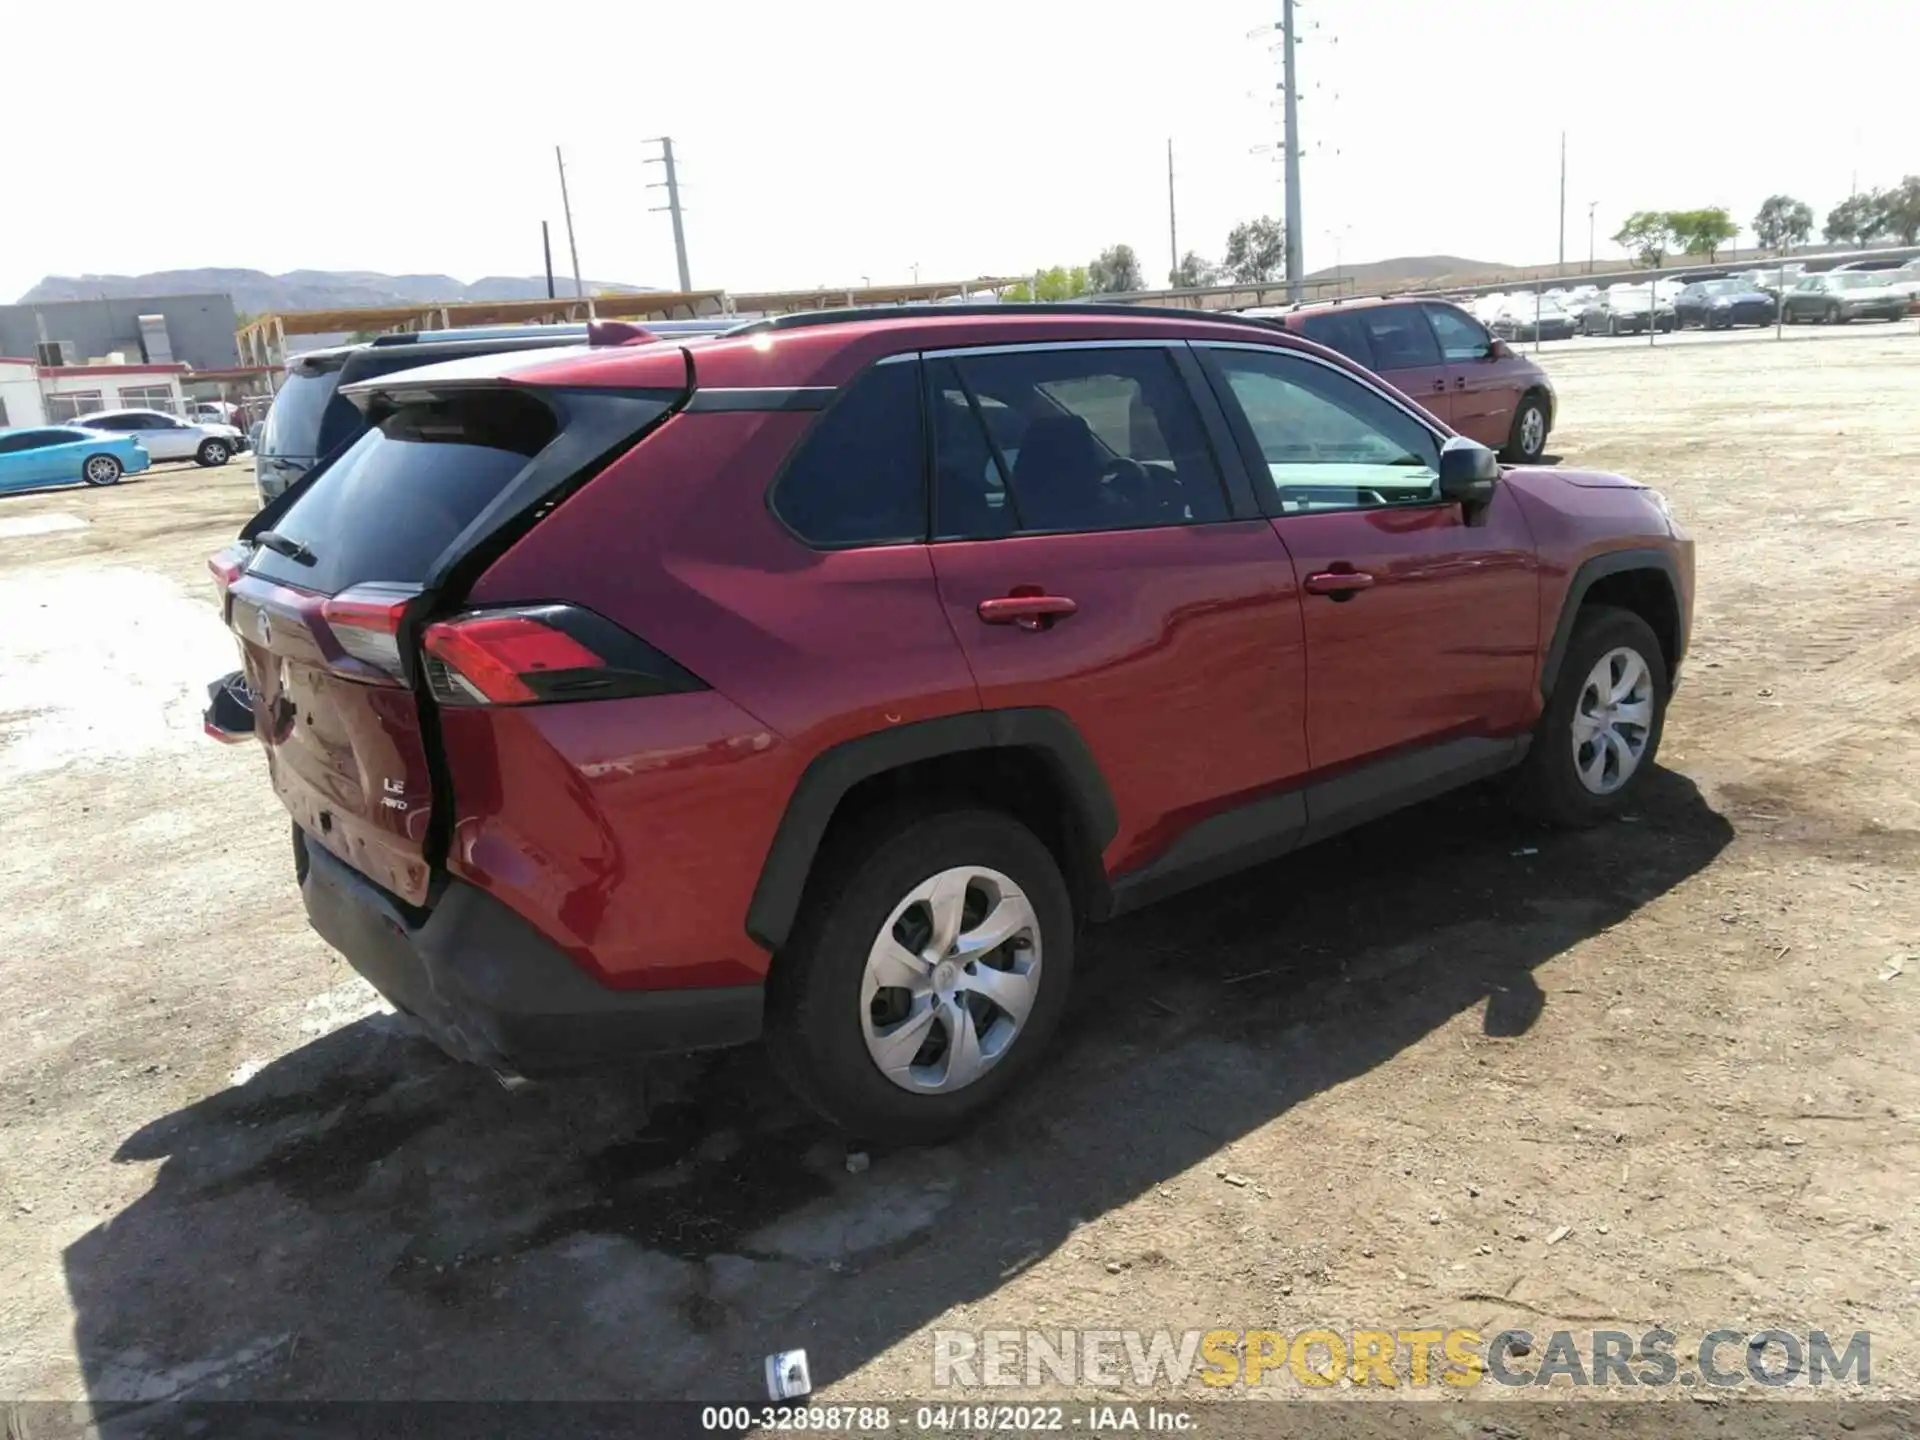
1447	362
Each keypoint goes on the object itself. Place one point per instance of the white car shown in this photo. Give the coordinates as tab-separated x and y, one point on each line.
168	437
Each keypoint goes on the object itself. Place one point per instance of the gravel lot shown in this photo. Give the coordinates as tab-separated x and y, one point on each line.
1425	1047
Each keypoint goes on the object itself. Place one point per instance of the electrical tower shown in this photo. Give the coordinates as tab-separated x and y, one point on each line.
672	186
1290	142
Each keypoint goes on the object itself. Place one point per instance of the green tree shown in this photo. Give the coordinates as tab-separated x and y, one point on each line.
1783	222
1858	218
1903	210
1256	251
1701	232
1115	271
1192	272
1061	282
1649	234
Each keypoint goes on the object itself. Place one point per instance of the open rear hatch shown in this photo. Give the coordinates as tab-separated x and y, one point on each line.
333	604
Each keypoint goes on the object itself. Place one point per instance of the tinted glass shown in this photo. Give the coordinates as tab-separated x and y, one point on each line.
1340	330
111	422
1400	337
1075	439
858	476
1461	336
1329	442
293	422
387	508
25	440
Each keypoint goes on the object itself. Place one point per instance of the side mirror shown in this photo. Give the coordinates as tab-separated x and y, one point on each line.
1468	473
1498	349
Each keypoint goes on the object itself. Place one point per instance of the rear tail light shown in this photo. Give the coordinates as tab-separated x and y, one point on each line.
228	565
365	622
544	653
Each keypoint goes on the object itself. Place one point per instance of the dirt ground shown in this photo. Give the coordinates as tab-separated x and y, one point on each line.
1427	1048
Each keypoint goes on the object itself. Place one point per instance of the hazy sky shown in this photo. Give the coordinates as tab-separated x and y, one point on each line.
828	142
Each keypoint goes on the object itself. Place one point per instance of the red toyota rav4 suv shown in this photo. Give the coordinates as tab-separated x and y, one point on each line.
820	678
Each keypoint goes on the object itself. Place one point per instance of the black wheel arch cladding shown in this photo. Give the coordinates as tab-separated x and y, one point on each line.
836	771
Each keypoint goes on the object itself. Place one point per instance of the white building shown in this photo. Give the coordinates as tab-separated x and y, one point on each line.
65	391
20	403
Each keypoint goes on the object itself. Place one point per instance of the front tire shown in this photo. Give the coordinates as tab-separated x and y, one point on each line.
214	452
102	470
925	975
1600	732
1527	441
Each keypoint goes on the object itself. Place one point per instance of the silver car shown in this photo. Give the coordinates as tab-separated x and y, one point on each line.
168	437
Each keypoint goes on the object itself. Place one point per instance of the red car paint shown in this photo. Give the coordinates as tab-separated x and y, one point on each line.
1204	665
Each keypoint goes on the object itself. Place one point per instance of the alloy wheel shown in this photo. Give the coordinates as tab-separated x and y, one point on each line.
1613	720
950	980
1533	430
102	471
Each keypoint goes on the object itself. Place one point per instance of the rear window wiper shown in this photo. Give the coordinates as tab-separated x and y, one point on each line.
285	545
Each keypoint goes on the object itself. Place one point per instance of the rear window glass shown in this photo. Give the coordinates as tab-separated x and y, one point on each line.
293	420
392	504
857	478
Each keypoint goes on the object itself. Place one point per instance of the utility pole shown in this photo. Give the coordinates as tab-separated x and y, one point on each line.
1292	150
672	186
1592	205
1562	268
546	249
579	290
1173	233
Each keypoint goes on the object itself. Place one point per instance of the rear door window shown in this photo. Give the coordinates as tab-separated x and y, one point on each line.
1081	438
858	477
389	507
1400	337
1342	331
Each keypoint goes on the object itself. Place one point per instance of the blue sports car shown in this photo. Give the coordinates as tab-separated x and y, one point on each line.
66	455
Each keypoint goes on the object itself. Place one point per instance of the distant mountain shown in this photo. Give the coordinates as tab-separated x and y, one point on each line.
1403	269
256	292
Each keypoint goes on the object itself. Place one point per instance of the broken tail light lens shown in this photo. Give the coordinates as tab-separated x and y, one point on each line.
365	621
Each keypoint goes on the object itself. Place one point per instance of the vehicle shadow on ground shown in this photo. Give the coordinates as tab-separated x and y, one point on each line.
363	1219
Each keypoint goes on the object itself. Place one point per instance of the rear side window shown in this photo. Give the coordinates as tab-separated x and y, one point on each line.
858	476
1341	331
1400	337
390	506
1075	439
294	420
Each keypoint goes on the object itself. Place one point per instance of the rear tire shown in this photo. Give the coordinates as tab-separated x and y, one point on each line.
1599	734
102	470
856	975
1835	315
1527	441
214	452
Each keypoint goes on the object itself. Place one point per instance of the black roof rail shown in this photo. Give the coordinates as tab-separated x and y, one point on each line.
1064	309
